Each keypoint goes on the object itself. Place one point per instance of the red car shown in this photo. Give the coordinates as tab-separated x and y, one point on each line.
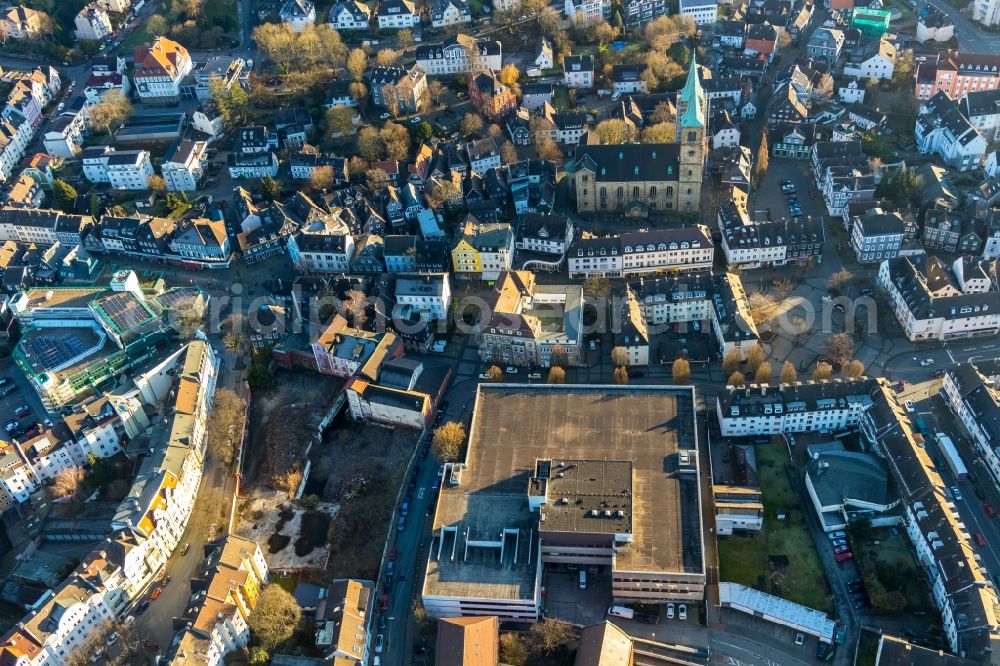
155	594
980	539
990	511
383	602
843	557
393	553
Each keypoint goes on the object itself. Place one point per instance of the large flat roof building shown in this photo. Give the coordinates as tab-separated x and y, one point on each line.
597	476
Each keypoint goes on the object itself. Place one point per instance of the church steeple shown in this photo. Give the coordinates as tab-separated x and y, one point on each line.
692	98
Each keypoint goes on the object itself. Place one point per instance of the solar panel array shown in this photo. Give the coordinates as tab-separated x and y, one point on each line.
124	310
178	298
50	351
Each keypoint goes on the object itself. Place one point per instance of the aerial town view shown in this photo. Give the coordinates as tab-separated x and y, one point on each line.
500	332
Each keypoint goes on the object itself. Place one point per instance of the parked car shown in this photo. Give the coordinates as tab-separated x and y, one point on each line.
379	643
841	549
988	508
843	557
957	493
113	638
156	594
22	411
10	425
837	535
670	610
839	542
910	407
980	539
393	554
682	612
511	370
593	345
927	361
185	548
800	638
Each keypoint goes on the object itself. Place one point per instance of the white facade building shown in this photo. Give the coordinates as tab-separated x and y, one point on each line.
183	165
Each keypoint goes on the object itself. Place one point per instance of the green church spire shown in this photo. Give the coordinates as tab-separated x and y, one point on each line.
693	98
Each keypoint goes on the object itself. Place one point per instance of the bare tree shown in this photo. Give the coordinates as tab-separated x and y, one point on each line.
788	373
557	375
763	373
822	371
731	361
448	441
620	376
755	357
67	482
736	379
840	347
559	356
681	371
225	424
495	374
619	356
113	110
853	369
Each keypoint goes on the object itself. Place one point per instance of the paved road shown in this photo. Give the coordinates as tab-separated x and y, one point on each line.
970	36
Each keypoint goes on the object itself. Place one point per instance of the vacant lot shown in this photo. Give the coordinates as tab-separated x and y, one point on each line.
283	423
782	559
360	467
292	537
892	563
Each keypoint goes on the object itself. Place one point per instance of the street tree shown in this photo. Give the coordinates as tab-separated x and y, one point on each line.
853	369
619	356
495	374
376	179
823	370
838	280
448	441
404	39
681	371
840	347
620	376
556	375
548	635
760	167
763	373
559	356
436	89
387	57
547	149
731	361
755	357
736	379
788	373
357	63
275	618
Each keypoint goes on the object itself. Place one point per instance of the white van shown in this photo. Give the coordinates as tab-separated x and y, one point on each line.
583	579
621	611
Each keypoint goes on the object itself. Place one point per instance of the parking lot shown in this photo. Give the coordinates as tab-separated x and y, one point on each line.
22	395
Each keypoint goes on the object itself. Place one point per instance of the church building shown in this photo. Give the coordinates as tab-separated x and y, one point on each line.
652	178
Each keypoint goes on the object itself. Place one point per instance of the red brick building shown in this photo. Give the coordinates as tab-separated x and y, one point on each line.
491	98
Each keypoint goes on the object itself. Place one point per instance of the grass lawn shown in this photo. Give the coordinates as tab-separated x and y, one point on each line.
219	9
559	100
287	583
746	560
893	554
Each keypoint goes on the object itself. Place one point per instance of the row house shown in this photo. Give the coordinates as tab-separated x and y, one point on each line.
544	234
410	254
304	163
953	232
344	351
483	251
122	169
428	294
752	244
972	394
203	241
641	253
956	73
521	330
788	408
935	302
323	253
43	226
459	54
877	236
715	303
942	129
138	235
217	623
586	12
961	588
